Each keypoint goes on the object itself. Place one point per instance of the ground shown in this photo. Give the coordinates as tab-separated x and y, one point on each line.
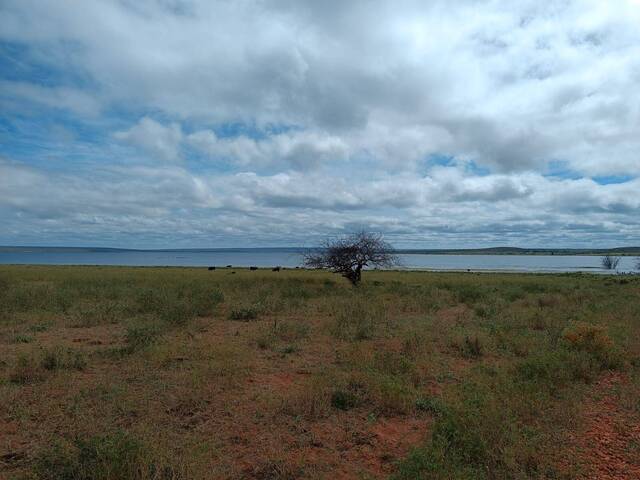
110	373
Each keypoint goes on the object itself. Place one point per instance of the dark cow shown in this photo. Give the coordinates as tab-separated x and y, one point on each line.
253	268
211	268
275	269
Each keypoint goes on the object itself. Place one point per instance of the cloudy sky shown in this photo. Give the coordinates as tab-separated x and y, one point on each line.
170	123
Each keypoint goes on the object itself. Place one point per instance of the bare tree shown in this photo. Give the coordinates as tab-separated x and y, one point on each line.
349	255
610	262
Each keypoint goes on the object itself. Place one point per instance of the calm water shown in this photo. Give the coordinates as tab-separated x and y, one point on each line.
292	258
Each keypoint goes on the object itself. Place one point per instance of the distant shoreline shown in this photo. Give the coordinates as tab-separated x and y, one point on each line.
621	251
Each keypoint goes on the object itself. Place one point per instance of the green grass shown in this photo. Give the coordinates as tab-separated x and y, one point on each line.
156	372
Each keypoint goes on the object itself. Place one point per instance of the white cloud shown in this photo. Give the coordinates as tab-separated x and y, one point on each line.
161	142
339	107
294	207
64	98
511	86
298	150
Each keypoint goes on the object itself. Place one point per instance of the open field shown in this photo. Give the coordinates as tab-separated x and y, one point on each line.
179	373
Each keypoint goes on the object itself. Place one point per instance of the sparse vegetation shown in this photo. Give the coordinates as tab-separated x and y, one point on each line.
244	313
113	456
111	373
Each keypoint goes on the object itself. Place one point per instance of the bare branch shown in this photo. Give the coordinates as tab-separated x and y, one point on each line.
610	262
351	254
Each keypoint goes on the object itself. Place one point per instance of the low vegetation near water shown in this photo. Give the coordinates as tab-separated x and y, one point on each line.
178	373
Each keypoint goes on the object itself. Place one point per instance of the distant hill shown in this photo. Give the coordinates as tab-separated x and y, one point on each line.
526	251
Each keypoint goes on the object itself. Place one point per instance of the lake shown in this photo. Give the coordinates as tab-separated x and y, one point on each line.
291	257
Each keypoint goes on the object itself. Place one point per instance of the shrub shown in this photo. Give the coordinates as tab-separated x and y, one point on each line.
594	340
203	303
553	370
244	314
392	394
139	337
291	331
105	457
343	400
177	312
63	359
470	347
472	439
313	400
430	405
469	294
21	338
358	320
25	371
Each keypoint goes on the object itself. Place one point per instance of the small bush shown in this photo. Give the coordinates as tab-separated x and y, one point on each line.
358	320
21	338
106	457
469	294
392	395
393	363
553	370
327	283
90	313
594	340
244	314
470	347
288	349
139	337
430	405
177	312
549	301
39	327
291	331
343	400
312	401
25	371
63	359
204	303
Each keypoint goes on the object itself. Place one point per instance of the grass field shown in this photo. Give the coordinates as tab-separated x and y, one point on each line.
180	373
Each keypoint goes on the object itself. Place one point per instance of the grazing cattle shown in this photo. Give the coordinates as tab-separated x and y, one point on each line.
275	269
229	266
211	268
253	268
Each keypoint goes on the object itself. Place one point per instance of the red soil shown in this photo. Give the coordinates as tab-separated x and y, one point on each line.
608	447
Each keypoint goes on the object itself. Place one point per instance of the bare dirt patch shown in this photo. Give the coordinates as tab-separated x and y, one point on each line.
608	445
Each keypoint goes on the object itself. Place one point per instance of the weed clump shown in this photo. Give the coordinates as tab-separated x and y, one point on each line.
592	339
21	338
431	405
358	320
343	400
25	371
244	314
139	337
469	347
113	456
63	359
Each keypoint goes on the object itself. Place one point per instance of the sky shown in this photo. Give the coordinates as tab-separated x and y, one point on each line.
178	124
